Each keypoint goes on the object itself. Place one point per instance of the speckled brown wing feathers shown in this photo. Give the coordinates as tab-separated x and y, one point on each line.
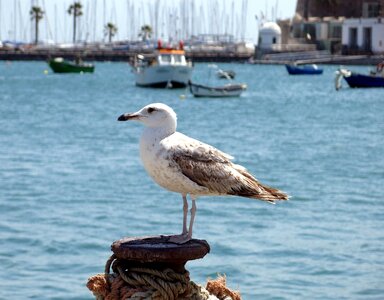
213	169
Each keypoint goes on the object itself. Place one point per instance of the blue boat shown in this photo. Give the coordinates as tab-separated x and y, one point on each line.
304	70
357	80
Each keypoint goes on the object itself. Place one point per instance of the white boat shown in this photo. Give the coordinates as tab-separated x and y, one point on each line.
167	68
227	90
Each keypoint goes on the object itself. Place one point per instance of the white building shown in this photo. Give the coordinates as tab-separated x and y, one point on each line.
363	34
269	36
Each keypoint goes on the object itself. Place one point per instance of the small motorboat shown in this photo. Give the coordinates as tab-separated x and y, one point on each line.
227	90
60	65
357	80
304	69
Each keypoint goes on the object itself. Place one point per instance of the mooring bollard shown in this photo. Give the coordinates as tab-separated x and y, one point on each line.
154	268
157	252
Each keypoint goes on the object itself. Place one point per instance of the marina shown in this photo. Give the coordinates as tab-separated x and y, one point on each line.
94	207
71	181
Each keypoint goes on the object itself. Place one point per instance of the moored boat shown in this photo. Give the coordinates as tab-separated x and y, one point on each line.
167	68
60	65
304	69
356	80
227	90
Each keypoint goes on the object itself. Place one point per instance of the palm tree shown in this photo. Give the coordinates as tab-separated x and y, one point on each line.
146	32
36	14
75	10
110	30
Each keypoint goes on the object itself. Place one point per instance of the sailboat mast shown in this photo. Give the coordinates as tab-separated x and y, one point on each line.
55	37
94	21
192	32
104	18
14	19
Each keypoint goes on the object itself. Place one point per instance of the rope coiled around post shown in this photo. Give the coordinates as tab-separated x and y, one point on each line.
141	283
166	284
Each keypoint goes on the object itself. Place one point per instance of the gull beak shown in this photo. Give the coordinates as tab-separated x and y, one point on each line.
129	116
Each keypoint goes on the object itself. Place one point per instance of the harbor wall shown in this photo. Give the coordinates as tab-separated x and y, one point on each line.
113	55
195	56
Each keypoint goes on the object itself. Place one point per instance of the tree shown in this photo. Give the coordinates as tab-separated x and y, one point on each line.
110	29
36	15
75	10
146	32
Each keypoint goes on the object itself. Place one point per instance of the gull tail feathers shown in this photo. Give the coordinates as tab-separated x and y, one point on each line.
256	190
270	194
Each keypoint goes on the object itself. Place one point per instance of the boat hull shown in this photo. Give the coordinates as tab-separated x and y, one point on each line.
305	70
231	90
356	80
68	67
170	76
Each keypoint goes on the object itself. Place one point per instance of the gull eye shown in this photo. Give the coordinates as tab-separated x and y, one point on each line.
150	110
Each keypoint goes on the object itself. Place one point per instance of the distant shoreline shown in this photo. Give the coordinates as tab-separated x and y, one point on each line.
353	60
117	55
195	56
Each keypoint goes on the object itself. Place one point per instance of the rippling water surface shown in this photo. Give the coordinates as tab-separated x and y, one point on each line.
71	182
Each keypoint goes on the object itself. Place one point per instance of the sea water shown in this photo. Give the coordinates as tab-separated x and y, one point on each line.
71	181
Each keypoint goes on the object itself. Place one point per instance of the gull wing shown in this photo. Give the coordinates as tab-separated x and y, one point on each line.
213	169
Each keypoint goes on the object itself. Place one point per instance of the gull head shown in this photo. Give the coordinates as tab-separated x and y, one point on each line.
155	115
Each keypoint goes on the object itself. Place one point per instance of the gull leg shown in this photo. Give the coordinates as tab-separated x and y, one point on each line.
193	213
185	212
187	234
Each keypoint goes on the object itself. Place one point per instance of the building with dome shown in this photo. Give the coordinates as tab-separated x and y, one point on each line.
320	29
269	36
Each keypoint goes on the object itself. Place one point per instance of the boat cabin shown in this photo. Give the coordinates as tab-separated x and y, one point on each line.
163	57
171	57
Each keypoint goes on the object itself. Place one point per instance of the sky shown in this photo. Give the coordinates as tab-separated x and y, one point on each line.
176	19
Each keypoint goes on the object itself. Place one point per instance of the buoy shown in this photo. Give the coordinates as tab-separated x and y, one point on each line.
182	97
45	72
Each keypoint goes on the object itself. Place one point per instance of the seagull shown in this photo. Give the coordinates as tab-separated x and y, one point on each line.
187	166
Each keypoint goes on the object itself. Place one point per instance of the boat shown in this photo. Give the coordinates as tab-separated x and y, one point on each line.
304	69
60	65
227	90
356	80
167	68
